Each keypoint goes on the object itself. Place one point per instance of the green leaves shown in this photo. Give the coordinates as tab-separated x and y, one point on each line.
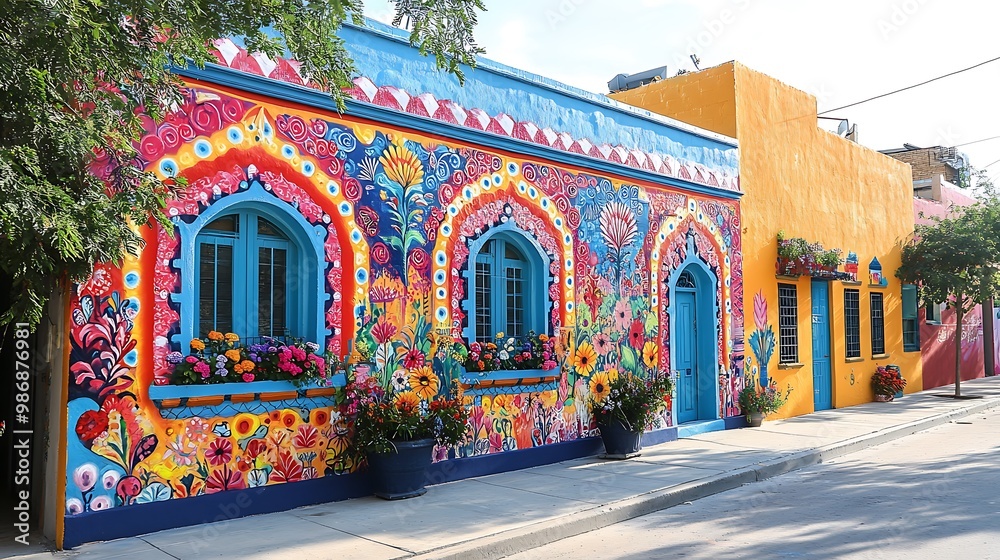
958	255
76	80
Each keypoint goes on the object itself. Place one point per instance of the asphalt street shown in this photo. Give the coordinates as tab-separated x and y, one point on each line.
934	494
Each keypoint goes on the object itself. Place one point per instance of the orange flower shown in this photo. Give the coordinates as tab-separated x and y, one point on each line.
407	402
238	368
232	337
233	355
197	345
288	418
248	365
215	335
424	382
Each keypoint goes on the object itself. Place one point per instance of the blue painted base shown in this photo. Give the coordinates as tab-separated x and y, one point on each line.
690	429
157	516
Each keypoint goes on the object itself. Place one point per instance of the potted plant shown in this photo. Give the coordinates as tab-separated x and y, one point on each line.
829	259
396	428
887	381
757	403
623	405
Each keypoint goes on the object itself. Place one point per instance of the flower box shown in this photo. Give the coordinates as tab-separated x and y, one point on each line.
230	399
508	380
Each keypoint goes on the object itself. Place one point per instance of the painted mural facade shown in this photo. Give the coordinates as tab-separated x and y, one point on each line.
820	332
385	223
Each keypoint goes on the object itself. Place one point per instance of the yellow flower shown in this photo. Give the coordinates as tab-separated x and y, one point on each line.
499	335
215	335
543	337
402	165
248	365
585	359
504	405
233	355
232	337
424	382
486	404
548	398
650	354
599	386
612	374
407	402
197	345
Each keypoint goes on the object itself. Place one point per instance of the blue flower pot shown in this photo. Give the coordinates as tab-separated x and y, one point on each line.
402	474
619	441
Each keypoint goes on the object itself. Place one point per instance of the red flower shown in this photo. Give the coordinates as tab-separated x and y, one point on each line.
635	334
255	448
224	479
219	451
419	259
383	330
91	425
380	253
413	359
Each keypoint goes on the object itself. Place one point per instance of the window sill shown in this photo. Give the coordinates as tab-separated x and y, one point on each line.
879	356
794	365
850	282
855	360
229	399
911	349
787	277
879	286
509	381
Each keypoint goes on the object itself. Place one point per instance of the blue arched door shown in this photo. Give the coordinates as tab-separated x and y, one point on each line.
686	355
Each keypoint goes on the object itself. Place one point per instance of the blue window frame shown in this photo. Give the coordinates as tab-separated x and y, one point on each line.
911	326
245	277
508	288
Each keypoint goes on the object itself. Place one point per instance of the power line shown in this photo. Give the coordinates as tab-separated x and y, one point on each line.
975	141
911	87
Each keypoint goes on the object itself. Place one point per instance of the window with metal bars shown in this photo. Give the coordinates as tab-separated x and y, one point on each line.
878	324
788	324
911	326
852	322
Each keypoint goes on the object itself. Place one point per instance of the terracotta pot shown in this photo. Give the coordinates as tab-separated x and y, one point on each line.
754	419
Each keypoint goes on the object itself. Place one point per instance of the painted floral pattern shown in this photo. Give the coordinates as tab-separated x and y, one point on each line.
397	214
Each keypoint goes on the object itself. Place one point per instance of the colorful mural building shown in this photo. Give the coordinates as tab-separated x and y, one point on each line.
405	234
822	320
936	177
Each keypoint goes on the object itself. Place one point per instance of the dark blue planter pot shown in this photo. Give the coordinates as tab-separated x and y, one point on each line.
619	441
402	474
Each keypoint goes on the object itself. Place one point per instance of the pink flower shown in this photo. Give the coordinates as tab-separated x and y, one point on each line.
248	377
602	343
219	451
623	314
191	359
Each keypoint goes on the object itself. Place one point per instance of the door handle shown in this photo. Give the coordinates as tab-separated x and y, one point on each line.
688	372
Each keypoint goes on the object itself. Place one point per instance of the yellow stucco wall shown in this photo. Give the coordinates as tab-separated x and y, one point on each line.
812	184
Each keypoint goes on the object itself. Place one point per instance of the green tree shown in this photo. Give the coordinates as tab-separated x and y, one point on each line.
75	78
956	260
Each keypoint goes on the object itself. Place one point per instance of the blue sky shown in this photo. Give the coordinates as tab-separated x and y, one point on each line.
841	52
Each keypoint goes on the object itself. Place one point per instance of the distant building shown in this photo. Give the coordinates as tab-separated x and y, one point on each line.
937	174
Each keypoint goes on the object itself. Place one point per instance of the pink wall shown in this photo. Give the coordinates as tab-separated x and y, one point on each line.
937	341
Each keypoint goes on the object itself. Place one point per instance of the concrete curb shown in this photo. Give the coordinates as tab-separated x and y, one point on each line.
506	543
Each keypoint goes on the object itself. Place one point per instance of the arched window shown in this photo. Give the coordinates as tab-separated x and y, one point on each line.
248	278
509	288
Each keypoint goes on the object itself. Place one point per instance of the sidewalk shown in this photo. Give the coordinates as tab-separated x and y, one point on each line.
498	515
